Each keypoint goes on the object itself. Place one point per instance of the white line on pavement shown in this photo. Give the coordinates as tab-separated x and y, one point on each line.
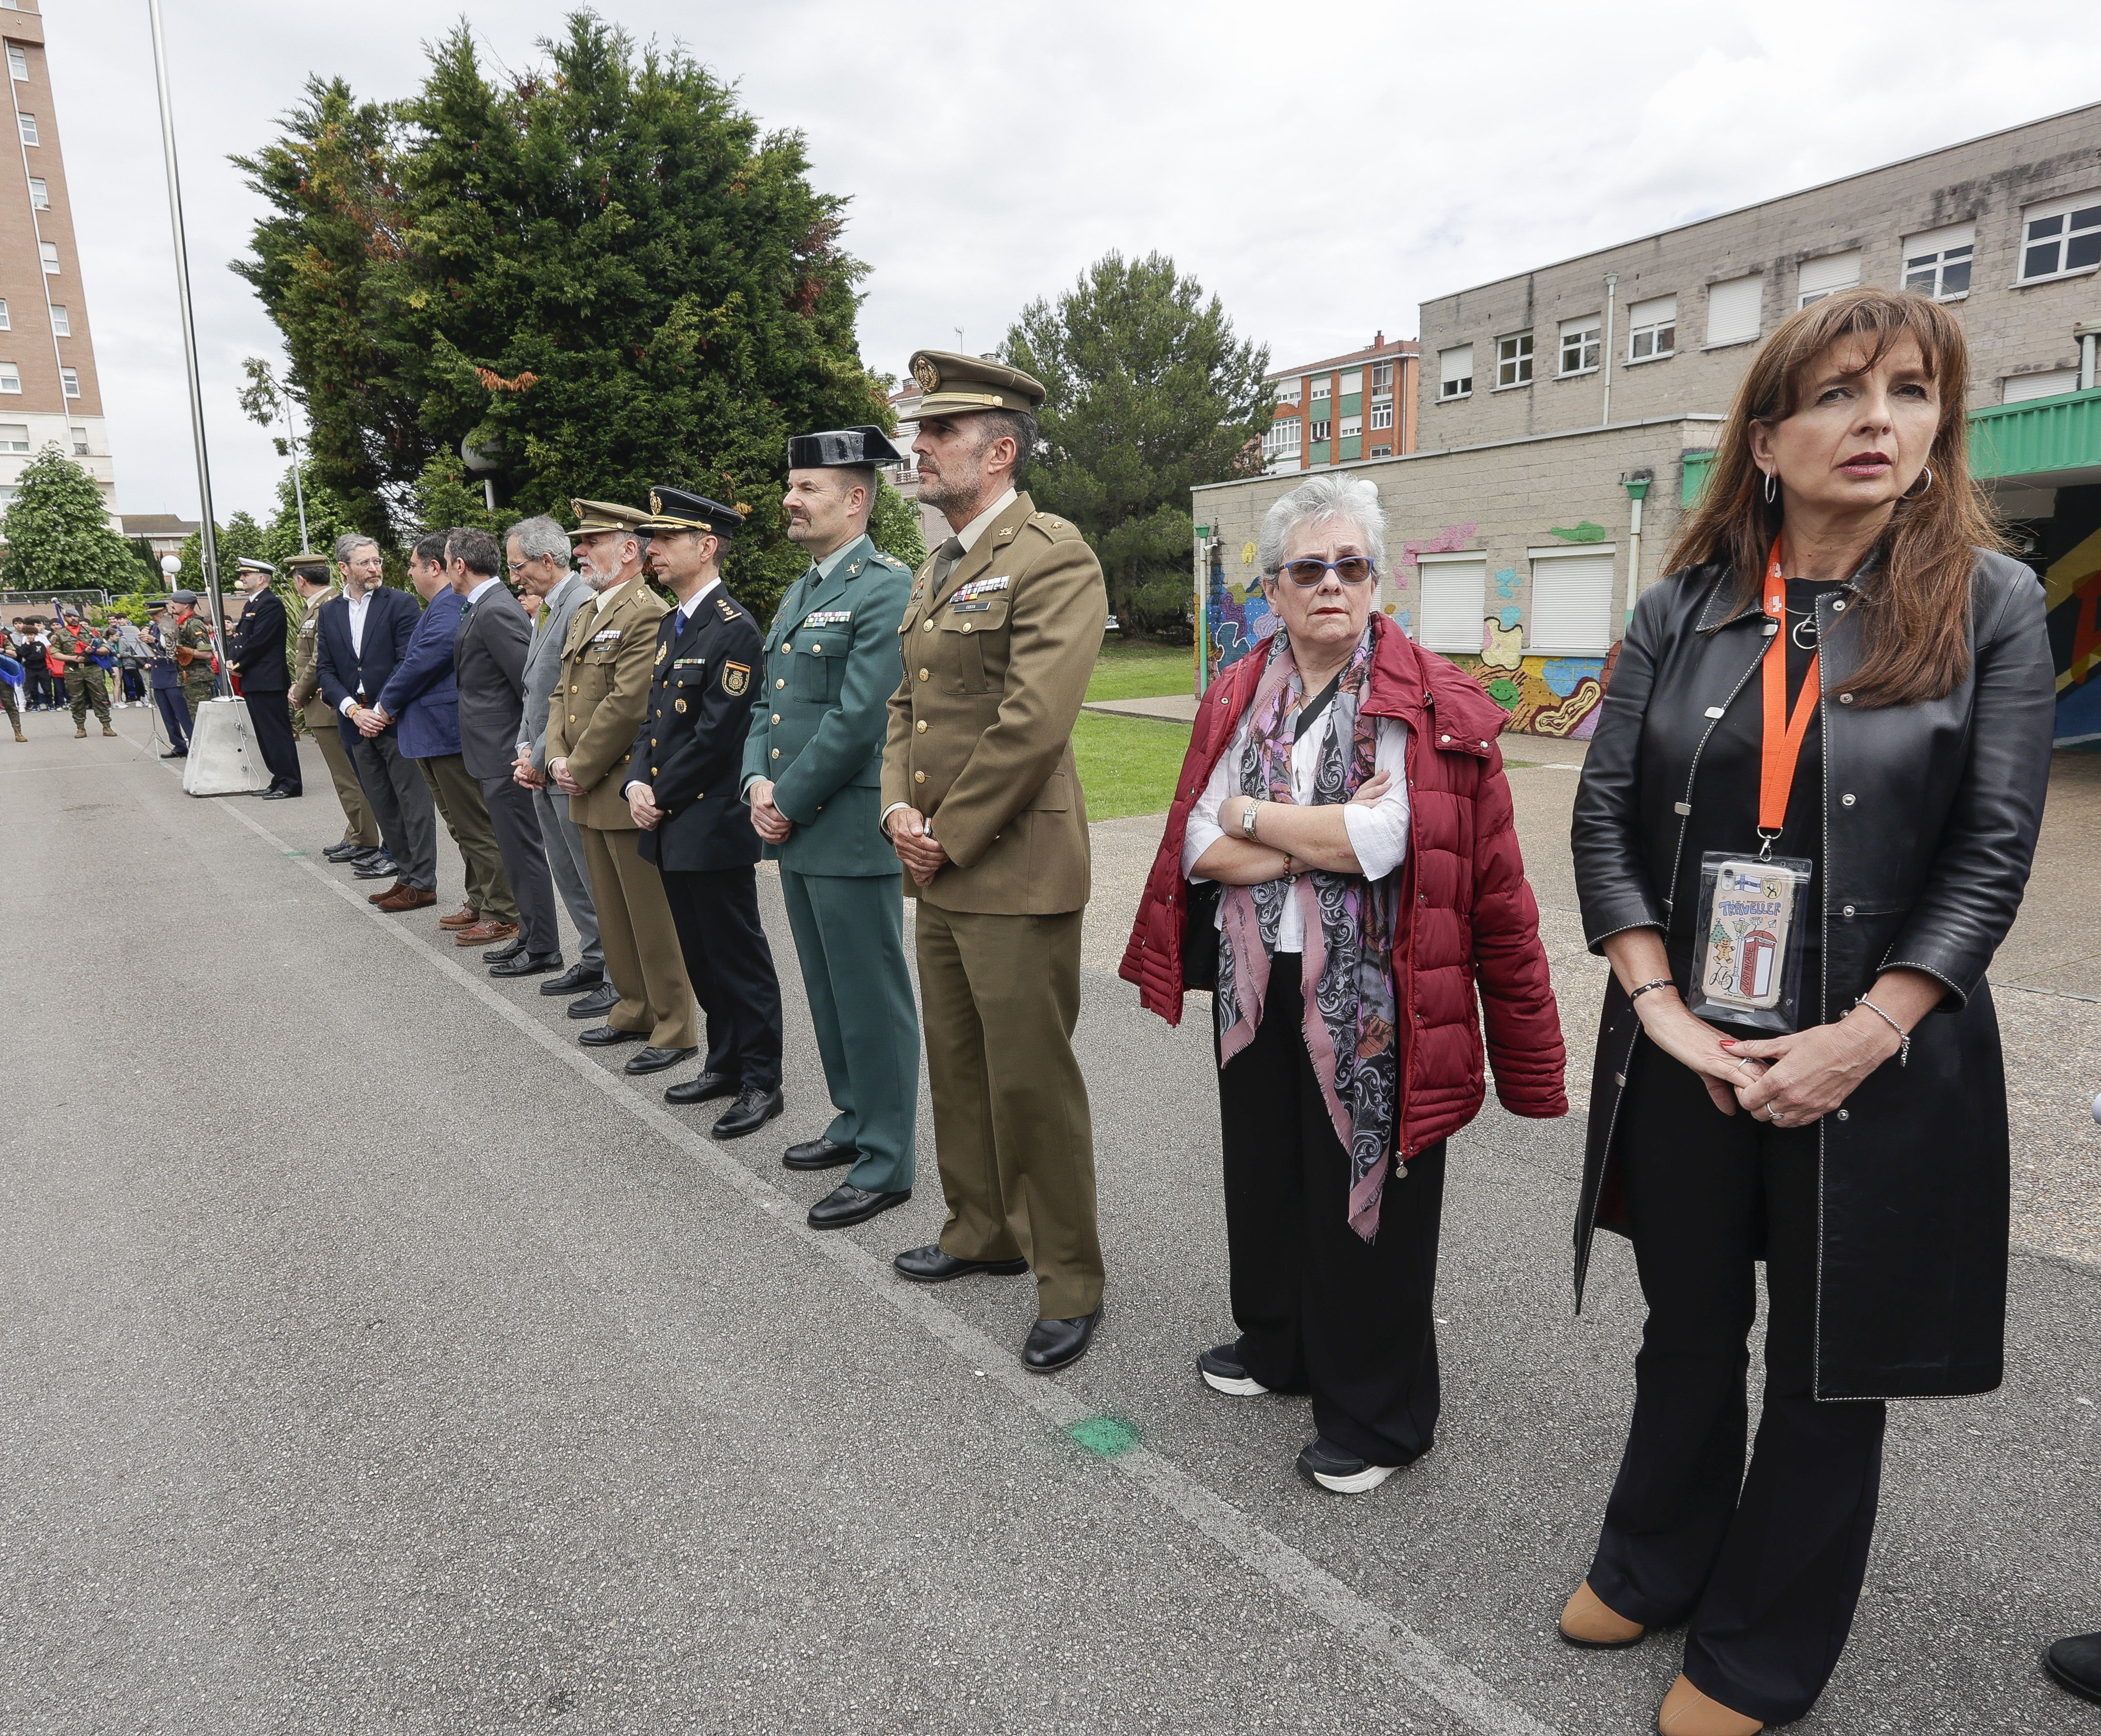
1440	1677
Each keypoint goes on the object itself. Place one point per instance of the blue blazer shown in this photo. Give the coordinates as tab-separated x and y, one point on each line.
422	694
390	618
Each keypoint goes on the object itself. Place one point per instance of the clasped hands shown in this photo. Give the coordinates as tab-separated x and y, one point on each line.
917	848
370	720
1789	1080
767	820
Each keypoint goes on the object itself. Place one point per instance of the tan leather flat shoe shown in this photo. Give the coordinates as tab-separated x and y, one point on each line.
1586	1621
1687	1711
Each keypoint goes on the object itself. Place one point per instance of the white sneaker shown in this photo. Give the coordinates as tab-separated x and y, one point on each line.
1338	1472
1222	1374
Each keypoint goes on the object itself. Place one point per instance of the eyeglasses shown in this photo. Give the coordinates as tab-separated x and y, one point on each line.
1352	569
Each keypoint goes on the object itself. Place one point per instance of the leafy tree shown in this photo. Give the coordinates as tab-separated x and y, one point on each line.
600	267
239	537
57	530
1148	393
893	524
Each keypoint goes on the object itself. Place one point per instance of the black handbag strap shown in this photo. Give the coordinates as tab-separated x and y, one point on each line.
1309	714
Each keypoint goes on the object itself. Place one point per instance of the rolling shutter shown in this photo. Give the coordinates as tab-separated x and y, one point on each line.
2024	386
1834	271
1572	604
1454	603
1732	310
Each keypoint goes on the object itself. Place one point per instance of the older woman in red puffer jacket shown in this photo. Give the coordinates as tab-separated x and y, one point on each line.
1344	793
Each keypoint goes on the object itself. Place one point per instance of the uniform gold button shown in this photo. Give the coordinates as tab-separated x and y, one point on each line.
573	686
921	726
777	683
926	627
789	648
776	753
573	717
966	627
776	717
923	674
918	777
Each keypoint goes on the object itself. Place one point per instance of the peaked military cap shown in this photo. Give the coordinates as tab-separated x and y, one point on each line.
955	385
157	602
840	448
247	565
307	561
676	509
595	516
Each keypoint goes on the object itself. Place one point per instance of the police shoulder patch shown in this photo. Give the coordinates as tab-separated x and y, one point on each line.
736	678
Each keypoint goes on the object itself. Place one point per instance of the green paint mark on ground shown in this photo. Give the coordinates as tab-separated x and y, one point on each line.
1104	1436
295	853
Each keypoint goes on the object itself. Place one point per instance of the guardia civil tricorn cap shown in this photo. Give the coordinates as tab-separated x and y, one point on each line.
676	509
955	385
841	448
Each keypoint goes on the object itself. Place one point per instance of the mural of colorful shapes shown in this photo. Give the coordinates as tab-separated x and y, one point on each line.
1501	647
1584	532
1548	695
1509	618
1506	582
2072	600
1452	539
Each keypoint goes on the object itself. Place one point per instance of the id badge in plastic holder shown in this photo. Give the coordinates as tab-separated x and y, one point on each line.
1752	914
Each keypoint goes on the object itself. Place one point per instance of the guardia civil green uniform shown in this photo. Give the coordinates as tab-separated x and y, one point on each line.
817	729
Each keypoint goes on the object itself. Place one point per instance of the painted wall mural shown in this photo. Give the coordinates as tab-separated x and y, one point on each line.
1555	696
2072	596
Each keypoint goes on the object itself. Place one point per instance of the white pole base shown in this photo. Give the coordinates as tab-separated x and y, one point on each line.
224	759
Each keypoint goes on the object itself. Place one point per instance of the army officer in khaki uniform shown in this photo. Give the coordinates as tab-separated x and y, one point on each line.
596	712
982	802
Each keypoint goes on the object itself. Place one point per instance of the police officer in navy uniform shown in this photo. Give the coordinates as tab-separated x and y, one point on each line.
684	789
813	778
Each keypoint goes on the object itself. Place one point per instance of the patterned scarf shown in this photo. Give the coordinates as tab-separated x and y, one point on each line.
1347	967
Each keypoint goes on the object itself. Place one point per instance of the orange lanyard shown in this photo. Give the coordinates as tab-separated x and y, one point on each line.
1781	747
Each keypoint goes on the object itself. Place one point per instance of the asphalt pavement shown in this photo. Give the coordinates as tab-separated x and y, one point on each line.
373	1358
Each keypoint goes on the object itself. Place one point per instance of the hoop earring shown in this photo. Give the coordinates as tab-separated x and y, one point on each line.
1914	491
1770	488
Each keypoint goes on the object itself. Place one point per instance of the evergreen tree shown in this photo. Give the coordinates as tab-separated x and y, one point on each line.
600	267
57	531
238	537
893	524
1148	393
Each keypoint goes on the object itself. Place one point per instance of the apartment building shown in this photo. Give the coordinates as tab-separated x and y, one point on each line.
1343	407
49	393
1567	414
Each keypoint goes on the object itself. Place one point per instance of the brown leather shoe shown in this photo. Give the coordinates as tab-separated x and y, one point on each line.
465	917
1687	1711
408	898
381	897
486	933
1586	1621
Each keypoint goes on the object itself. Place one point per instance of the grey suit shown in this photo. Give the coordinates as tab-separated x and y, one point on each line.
564	844
489	665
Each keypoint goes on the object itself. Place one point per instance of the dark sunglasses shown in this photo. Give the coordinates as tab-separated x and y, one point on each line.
1352	569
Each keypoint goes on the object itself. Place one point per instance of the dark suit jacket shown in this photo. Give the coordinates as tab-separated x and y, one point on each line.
257	646
488	663
390	618
421	694
690	749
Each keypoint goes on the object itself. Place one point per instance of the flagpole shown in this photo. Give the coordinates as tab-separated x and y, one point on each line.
221	685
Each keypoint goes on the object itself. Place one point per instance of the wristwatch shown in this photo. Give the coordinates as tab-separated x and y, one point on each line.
1247	819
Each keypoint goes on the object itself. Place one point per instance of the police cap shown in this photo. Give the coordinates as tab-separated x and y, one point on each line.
676	509
955	385
842	448
262	567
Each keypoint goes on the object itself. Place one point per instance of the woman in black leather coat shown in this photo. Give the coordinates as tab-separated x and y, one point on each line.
1863	1156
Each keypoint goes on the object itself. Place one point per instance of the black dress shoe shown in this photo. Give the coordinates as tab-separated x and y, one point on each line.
175	753
847	1204
526	964
702	1088
339	853
752	1110
1058	1343
608	1036
379	868
601	1000
929	1266
281	795
576	980
511	949
2076	1663
819	1153
654	1060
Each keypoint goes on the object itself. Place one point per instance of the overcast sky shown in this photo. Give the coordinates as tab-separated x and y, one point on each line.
1322	166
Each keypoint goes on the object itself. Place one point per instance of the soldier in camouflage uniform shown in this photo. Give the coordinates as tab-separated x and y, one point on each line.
85	685
193	633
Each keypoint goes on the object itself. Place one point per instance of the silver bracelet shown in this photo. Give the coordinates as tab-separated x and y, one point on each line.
1904	1036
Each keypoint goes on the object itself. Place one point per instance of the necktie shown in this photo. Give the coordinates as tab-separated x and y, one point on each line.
946	558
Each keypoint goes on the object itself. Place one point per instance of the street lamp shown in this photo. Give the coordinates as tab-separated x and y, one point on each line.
171	565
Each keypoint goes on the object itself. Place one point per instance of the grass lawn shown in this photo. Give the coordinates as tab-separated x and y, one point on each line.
1141	671
1128	765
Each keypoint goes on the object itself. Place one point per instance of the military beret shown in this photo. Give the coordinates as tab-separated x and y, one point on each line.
955	385
247	565
189	597
840	448
676	509
596	516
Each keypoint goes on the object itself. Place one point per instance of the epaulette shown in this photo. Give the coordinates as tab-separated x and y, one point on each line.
1049	521
729	609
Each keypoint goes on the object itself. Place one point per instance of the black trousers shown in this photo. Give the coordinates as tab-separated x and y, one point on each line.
730	969
175	714
272	718
1764	1568
1319	1310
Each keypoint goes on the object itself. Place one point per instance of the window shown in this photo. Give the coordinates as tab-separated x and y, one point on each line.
18	61
1381	376
1282	442
1455	372
49	252
1455	589
61	322
1381	451
1937	264
80	442
10	377
39	195
28	123
1835	272
70	379
1320	388
1382	413
1580	344
1514	360
1287	392
6	323
2024	386
1352	382
1320	431
1571	602
2063	237
1352	427
1732	310
1652	328
14	437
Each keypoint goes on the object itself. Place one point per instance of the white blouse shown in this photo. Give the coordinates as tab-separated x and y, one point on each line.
1378	830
